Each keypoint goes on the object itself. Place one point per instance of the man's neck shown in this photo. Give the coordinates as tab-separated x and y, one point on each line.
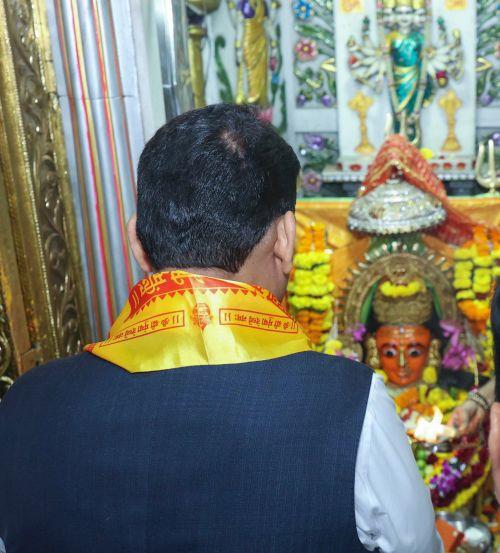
208	272
247	275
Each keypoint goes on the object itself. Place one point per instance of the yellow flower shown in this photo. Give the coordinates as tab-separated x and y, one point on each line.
462	283
321	304
311	290
463	275
464	253
327	323
302	277
496	272
495	254
319	279
427	153
323	338
482	278
401	290
482	273
462	396
308	260
466	295
323	269
435	396
382	374
422	391
483	261
481	288
300	302
446	404
333	346
464	265
429	375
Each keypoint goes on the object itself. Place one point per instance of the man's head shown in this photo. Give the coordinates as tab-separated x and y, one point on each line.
216	193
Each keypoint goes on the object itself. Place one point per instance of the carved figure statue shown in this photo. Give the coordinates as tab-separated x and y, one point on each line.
413	66
252	47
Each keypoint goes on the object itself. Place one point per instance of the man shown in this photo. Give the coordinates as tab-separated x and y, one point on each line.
205	422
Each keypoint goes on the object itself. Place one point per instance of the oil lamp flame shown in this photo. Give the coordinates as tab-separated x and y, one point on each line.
433	431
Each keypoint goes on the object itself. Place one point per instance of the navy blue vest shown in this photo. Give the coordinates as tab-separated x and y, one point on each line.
245	458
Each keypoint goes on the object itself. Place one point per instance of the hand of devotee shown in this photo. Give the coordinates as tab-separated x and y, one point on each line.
467	417
494	446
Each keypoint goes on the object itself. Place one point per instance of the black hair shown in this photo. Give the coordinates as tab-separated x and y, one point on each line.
210	182
495	328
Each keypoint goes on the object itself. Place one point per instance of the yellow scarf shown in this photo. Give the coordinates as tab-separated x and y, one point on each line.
177	319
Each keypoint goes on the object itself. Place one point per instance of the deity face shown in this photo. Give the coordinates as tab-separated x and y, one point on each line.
404	19
388	18
419	17
403	352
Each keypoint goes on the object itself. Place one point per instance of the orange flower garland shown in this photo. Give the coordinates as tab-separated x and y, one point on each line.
311	287
477	264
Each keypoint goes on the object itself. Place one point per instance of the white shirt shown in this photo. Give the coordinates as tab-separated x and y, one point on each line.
392	504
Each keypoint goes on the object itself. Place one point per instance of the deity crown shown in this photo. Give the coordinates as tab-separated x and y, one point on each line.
418	4
415	4
415	309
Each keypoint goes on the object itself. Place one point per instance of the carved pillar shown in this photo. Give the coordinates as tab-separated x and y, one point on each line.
42	311
96	70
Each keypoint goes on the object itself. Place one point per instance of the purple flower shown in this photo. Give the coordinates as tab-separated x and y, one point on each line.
451	330
246	9
447	481
485	99
358	332
458	357
315	141
311	181
301	100
496	138
326	100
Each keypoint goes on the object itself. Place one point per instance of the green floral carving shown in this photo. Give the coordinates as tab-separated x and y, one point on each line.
488	52
225	90
314	53
278	86
317	151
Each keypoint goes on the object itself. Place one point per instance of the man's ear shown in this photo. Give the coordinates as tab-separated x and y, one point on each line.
284	247
136	246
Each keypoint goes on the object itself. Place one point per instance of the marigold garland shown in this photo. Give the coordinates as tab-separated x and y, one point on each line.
401	290
310	289
477	264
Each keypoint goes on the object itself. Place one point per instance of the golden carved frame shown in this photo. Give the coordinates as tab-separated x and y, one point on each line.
42	308
363	277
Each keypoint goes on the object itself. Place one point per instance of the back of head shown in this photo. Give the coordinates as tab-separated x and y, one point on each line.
210	182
